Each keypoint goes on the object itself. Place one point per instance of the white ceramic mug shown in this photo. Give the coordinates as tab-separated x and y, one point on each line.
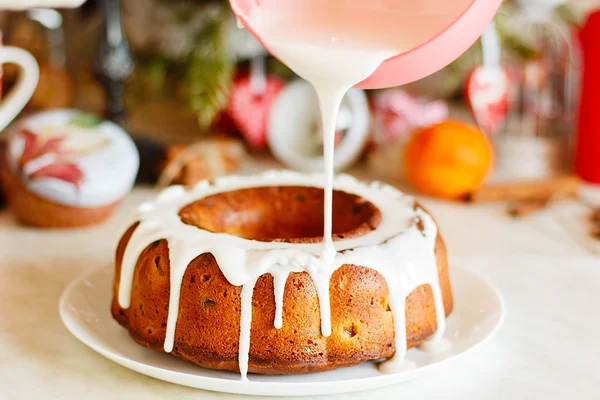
20	94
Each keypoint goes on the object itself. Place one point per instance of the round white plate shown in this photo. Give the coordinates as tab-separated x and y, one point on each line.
85	310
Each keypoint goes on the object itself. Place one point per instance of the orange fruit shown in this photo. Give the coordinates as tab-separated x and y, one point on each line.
448	160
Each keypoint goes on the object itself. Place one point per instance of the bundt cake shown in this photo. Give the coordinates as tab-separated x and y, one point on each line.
227	275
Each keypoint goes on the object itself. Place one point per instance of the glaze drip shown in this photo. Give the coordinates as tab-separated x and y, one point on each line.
400	249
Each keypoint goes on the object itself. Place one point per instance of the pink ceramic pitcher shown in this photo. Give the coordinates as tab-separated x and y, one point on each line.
459	23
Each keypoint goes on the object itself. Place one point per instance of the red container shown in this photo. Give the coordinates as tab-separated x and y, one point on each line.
587	157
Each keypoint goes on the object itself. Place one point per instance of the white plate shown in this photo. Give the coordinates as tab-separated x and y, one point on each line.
84	308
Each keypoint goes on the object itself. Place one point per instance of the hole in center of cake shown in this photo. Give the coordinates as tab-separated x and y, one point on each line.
282	213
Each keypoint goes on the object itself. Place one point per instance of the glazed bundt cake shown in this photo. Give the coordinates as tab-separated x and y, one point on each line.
227	276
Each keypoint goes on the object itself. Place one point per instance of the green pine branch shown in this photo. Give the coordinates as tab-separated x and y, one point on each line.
210	71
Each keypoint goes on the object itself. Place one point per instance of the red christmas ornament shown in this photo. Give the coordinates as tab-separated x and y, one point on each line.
249	110
57	167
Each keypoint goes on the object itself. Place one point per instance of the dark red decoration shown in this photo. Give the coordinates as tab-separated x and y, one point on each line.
250	112
587	159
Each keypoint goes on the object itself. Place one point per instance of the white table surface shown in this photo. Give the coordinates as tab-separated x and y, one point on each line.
548	348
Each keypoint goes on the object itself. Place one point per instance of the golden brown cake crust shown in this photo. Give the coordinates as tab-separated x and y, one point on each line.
208	329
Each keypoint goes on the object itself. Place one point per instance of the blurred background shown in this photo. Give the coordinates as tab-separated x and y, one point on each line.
180	77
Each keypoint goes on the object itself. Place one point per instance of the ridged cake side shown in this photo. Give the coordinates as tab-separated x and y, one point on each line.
208	327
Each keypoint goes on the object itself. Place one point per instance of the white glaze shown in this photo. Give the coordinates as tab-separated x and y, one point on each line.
332	67
333	64
438	346
402	253
397	249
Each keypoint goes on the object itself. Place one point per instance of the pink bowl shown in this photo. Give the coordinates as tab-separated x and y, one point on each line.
425	59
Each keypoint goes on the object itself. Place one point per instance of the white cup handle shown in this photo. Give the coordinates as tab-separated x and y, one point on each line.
20	94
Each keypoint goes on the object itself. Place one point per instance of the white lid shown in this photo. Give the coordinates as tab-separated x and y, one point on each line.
103	155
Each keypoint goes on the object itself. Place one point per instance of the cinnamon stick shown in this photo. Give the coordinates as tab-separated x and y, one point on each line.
595	220
523	208
595	217
566	186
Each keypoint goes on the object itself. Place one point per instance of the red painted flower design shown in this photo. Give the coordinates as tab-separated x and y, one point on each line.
58	166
